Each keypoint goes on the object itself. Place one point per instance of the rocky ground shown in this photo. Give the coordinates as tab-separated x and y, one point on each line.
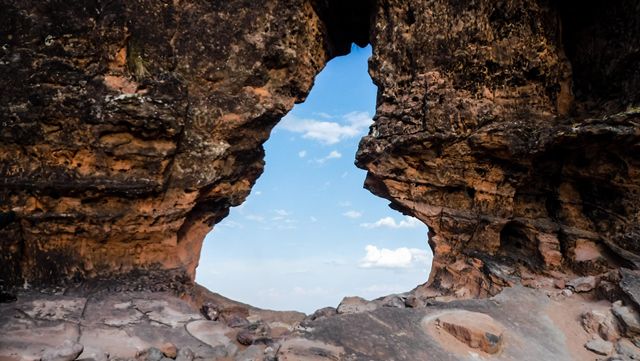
575	321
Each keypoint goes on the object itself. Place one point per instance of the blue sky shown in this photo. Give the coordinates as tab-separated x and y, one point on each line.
309	234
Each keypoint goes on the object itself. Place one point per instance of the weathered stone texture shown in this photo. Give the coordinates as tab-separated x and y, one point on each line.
130	127
511	129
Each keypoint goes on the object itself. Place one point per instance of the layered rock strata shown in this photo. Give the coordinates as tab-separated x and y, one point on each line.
130	127
511	129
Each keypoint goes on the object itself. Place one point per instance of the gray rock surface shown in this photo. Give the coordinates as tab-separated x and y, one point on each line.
68	351
599	346
628	317
355	305
582	284
626	348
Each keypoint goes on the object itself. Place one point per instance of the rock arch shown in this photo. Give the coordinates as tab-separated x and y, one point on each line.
129	128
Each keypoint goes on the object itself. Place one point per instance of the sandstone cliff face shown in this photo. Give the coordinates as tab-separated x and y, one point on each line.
511	130
130	127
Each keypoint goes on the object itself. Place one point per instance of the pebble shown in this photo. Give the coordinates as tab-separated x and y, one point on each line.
154	354
567	292
185	354
170	350
582	284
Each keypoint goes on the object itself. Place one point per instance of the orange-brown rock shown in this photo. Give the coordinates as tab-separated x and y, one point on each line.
512	130
128	129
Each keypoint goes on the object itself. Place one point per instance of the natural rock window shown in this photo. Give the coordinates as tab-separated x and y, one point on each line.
309	234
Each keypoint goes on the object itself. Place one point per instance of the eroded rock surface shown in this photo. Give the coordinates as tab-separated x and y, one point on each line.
511	129
128	128
518	324
133	326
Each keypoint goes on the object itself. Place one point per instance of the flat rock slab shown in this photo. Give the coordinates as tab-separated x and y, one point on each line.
215	334
599	346
476	330
61	309
212	333
518	314
161	311
299	349
119	324
25	340
526	325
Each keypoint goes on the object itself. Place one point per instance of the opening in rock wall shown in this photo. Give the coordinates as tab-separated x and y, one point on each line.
516	243
600	39
309	234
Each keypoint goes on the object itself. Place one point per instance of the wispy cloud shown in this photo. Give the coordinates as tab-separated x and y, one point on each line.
402	257
344	204
281	212
255	217
388	222
230	224
302	153
324	115
352	214
328	132
333	155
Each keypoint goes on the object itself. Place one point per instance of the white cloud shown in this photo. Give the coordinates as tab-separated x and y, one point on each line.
360	120
281	212
328	132
258	193
230	224
255	217
333	155
407	222
324	115
302	153
352	214
402	257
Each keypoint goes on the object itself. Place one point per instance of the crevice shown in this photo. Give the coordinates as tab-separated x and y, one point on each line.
600	40
347	22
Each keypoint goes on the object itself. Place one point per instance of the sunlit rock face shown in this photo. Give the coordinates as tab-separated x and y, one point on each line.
511	129
128	128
